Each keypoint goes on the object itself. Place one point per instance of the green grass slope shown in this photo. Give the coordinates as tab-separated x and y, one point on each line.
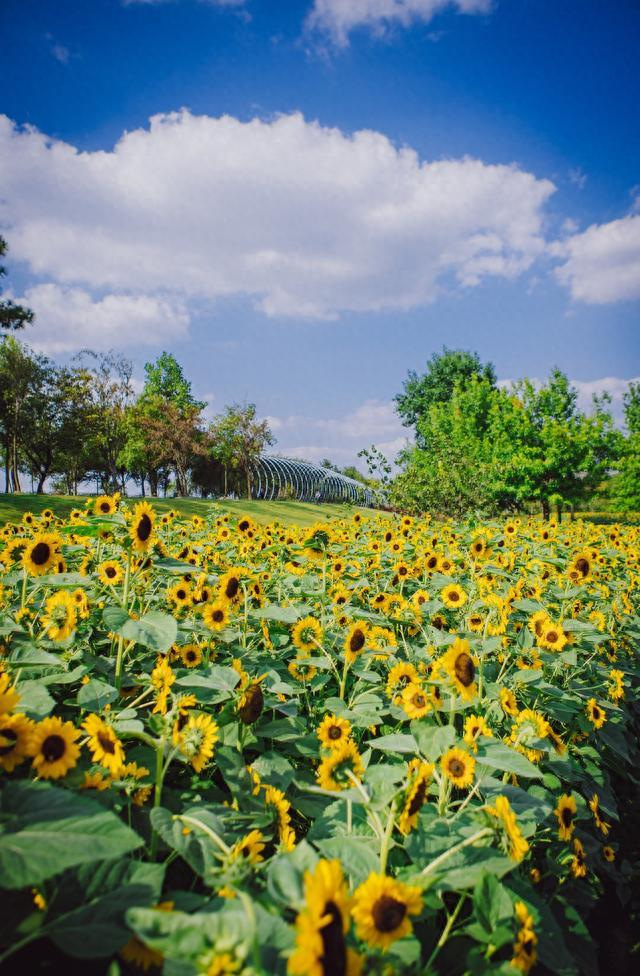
13	507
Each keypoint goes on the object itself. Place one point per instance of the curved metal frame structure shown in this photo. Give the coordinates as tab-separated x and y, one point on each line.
307	482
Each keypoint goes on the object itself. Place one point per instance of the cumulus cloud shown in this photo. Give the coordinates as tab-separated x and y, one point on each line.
340	438
338	18
602	264
69	319
307	220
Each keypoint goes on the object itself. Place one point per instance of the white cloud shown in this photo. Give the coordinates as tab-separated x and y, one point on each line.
68	319
306	220
61	53
602	264
578	178
340	438
338	18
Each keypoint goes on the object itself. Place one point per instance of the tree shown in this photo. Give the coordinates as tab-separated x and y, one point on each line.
173	438
625	487
237	439
109	375
12	316
165	380
445	371
20	372
377	464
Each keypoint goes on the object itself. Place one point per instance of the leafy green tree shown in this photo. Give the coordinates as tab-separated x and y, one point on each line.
445	371
111	392
20	373
12	316
238	439
165	380
625	487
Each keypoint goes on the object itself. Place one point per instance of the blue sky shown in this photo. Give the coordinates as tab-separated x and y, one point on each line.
343	187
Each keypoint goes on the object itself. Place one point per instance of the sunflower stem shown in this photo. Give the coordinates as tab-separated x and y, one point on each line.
343	680
125	604
386	841
23	597
160	771
451	920
211	834
349	816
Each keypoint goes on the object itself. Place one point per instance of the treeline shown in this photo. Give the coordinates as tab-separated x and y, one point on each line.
482	447
82	422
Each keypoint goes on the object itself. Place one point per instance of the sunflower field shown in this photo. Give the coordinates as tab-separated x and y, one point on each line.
376	745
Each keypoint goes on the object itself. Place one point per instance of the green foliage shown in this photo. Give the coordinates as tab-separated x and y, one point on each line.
12	316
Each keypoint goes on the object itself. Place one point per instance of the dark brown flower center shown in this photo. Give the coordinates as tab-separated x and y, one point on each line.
232	588
456	767
388	913
582	565
53	748
356	643
418	797
454	596
334	950
105	506
464	669
335	732
143	528
110	572
41	553
552	636
253	704
217	616
567	817
107	743
419	700
11	737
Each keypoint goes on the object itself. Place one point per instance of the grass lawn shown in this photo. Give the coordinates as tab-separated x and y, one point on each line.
12	508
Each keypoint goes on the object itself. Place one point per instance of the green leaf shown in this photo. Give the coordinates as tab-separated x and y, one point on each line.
433	740
155	630
497	755
284	615
35	700
491	902
47	829
357	855
95	695
396	742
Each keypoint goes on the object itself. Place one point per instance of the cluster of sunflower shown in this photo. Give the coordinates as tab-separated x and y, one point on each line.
375	745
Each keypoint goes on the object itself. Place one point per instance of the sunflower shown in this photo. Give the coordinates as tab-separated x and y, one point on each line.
251	703
15	736
553	637
105	746
300	670
596	715
420	774
162	677
581	567
191	655
579	860
458	766
399	677
594	806
461	668
249	848
198	739
453	596
322	925
616	686
334	769
529	725
356	640
216	615
508	701
524	949
502	811
273	797
60	617
42	553
230	586
474	727
608	853
53	747
180	595
566	813
105	505
222	964
415	701
9	696
307	634
381	910
142	530
333	731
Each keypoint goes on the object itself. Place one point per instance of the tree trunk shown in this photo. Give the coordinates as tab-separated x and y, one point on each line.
41	480
142	485
226	489
248	482
153	483
546	511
